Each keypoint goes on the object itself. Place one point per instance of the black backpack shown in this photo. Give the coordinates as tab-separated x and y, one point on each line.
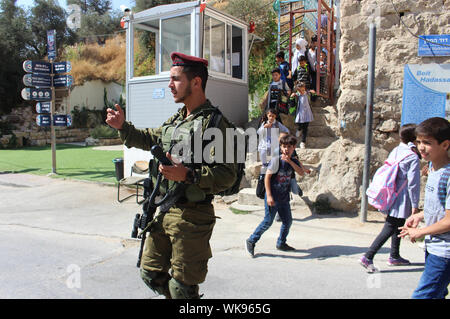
214	121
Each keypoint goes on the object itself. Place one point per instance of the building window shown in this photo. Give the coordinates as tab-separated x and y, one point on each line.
175	37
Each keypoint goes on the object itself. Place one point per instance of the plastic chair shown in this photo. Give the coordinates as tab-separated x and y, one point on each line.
140	168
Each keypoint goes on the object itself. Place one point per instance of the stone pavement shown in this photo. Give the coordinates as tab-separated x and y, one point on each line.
71	239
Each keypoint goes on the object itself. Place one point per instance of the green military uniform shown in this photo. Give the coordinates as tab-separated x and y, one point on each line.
179	238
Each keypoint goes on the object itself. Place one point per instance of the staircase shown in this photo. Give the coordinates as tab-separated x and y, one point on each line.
320	136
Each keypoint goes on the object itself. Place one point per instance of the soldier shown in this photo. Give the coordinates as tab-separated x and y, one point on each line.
179	238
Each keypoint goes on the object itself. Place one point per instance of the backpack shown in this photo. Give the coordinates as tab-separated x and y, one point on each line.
280	96
214	122
442	187
383	191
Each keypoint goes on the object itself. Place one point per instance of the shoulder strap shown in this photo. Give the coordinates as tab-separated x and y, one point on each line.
442	186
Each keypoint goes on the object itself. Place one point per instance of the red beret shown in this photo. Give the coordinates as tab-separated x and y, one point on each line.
180	59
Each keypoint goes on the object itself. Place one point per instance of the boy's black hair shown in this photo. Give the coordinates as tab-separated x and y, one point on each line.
280	54
408	133
193	71
276	70
302	58
314	38
435	127
288	140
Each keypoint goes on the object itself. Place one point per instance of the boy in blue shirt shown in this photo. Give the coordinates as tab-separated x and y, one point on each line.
278	185
433	139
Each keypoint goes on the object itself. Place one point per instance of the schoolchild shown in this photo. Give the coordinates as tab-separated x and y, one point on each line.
433	142
303	113
269	130
279	93
301	74
406	203
278	184
285	69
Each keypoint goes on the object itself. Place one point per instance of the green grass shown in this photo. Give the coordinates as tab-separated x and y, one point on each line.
73	162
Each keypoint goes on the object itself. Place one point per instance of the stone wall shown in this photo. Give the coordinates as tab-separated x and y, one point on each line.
341	169
28	133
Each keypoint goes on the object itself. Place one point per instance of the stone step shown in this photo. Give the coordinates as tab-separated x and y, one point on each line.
319	142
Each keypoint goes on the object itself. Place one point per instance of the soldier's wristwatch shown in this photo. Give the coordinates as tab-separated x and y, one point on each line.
192	177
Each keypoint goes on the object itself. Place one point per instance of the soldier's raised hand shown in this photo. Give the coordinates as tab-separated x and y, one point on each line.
114	118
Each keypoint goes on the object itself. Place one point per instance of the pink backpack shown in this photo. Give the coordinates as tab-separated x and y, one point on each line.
382	191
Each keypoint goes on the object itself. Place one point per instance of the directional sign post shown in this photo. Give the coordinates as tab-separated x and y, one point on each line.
43	77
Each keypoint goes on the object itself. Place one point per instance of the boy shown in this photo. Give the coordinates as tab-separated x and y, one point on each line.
433	139
279	93
301	74
278	184
286	74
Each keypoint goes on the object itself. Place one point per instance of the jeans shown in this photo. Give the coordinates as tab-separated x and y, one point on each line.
284	211
390	229
435	278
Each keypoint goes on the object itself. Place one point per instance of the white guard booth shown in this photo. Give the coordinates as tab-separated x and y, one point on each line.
153	34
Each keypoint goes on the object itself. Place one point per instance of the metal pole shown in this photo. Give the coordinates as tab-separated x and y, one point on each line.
52	127
369	119
279	28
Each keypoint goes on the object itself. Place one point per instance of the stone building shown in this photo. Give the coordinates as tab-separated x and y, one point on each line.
341	164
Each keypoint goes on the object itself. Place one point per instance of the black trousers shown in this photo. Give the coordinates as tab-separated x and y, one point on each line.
390	229
303	127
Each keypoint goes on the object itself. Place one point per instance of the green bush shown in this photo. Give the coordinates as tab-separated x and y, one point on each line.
104	131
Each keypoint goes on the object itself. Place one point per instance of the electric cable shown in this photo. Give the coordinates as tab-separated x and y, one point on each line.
415	35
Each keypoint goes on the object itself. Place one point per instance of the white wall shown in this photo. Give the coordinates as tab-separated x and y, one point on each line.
90	95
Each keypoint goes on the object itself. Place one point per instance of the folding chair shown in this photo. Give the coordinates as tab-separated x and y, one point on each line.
140	168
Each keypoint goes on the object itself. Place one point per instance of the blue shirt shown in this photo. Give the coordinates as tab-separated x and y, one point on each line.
280	182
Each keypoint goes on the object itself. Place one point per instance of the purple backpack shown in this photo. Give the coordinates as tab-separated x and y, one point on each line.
383	191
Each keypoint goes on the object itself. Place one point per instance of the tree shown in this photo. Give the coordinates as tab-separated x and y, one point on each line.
98	21
146	4
47	15
13	36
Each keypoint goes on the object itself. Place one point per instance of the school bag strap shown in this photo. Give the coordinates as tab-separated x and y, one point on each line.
442	186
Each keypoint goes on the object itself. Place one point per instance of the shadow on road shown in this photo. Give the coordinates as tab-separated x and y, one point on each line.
323	252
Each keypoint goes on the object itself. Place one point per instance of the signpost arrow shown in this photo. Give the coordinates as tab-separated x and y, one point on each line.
62	120
62	80
37	67
43	107
36	94
43	120
62	67
37	80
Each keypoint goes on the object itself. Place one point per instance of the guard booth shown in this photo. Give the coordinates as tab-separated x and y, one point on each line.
189	28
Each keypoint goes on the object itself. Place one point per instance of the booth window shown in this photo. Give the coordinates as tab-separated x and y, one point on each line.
145	44
222	47
175	37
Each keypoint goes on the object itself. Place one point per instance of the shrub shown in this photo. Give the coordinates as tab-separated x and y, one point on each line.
104	131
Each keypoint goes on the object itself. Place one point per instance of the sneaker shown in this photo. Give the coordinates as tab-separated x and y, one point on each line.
368	264
302	145
398	261
250	247
285	247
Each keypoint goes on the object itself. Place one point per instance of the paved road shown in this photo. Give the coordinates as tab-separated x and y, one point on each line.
70	239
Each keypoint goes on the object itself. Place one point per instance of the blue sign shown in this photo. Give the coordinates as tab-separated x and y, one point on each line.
426	92
51	44
36	94
43	120
62	80
43	107
62	120
428	48
158	93
37	67
37	80
62	67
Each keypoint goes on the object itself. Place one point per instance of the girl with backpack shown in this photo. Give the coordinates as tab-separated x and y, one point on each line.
406	202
